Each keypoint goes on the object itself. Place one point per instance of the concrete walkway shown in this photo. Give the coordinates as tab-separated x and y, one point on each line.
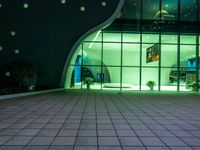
75	120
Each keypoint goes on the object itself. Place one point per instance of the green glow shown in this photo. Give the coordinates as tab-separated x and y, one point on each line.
13	33
103	3
25	5
16	51
63	1
82	8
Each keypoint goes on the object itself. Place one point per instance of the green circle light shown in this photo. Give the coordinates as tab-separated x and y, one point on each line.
12	33
103	3
25	5
16	51
63	1
82	8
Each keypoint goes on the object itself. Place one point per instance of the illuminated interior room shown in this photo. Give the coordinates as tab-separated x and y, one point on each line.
159	43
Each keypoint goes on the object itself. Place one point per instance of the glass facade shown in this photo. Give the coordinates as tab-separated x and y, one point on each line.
158	41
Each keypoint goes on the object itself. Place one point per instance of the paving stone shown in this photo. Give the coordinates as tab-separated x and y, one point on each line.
144	133
130	141
36	148
18	140
151	141
68	132
86	141
106	133
3	139
108	141
87	133
41	141
28	132
64	141
173	141
85	148
48	132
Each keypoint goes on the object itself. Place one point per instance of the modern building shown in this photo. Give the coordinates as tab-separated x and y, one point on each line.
114	45
152	40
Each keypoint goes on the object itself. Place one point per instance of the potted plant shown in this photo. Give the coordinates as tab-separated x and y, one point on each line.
194	85
88	81
150	84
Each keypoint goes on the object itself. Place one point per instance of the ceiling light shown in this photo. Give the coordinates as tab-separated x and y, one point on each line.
91	44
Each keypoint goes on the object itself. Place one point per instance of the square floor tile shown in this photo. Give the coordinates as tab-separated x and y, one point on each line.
173	141
151	141
48	132
108	141
86	141
106	133
87	133
18	140
41	141
130	141
64	141
68	132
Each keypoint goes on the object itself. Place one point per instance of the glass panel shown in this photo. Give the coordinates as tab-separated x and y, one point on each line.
188	66
150	38
130	78
131	9
187	52
187	39
169	55
112	54
96	36
112	78
188	10
151	9
168	79
172	39
150	54
91	77
131	37
92	53
111	37
131	55
169	9
149	74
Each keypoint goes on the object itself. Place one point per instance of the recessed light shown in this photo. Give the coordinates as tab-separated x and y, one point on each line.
13	33
103	3
16	51
1	48
0	5
25	5
82	8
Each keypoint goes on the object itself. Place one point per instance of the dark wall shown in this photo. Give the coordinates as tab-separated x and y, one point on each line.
46	31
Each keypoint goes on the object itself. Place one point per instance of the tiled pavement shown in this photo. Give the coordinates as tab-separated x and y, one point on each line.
100	121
